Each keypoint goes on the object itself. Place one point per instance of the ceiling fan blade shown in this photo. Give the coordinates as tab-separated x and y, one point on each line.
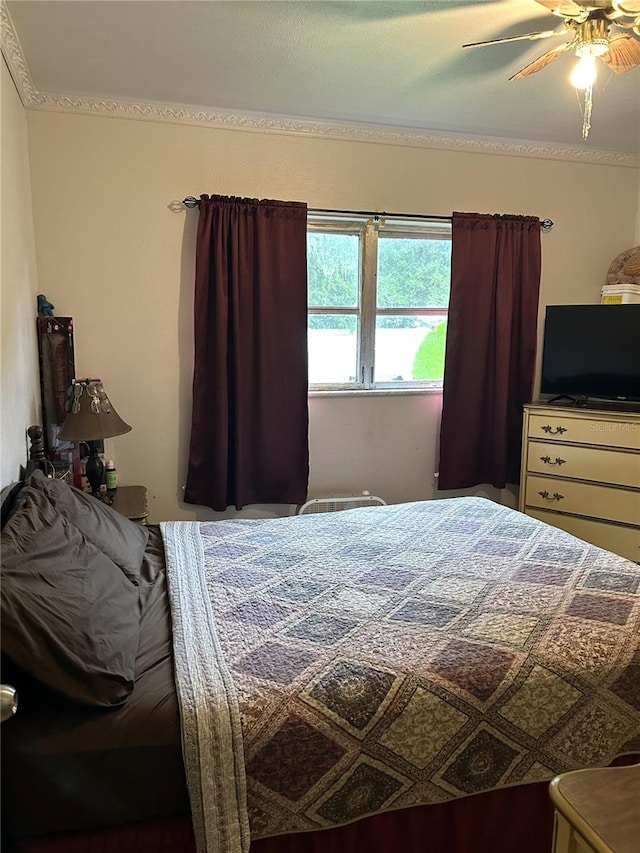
564	8
623	54
621	24
627	7
531	36
542	61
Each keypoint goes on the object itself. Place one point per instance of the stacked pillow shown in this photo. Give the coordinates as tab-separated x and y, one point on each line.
69	597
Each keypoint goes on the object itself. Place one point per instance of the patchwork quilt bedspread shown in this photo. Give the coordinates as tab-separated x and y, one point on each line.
332	666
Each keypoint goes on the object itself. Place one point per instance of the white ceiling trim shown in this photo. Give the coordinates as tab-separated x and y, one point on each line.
32	99
14	57
354	132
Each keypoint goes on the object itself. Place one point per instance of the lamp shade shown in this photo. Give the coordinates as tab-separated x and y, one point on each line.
90	415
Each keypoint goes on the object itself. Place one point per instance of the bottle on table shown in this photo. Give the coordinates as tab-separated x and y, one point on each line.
111	475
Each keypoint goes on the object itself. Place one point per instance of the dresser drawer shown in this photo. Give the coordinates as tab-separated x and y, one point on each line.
617	467
596	501
612	537
609	432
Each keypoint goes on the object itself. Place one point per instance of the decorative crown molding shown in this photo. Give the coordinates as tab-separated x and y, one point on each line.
266	123
14	57
351	132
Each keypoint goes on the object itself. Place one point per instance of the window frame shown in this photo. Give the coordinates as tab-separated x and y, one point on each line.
366	312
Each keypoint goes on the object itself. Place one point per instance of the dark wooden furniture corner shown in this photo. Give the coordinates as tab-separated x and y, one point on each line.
130	501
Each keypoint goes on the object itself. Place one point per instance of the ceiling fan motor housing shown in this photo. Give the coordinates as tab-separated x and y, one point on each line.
592	38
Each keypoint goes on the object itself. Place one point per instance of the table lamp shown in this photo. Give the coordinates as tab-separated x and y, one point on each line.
90	418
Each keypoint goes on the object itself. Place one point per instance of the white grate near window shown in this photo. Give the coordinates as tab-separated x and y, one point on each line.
335	503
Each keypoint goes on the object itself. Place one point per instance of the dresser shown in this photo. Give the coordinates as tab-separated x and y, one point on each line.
597	811
581	472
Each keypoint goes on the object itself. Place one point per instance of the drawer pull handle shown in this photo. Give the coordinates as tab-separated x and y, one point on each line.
554	497
551	431
547	461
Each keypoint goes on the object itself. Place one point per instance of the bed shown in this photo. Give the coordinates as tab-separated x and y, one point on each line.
408	677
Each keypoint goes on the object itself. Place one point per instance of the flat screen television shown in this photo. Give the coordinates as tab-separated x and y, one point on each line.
592	351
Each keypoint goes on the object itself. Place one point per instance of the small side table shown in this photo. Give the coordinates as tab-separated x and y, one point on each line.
597	811
130	501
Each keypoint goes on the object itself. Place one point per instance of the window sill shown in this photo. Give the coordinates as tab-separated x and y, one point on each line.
376	392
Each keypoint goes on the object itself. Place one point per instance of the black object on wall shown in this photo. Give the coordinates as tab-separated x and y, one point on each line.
57	370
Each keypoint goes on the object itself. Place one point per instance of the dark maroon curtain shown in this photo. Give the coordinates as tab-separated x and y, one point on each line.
491	347
249	428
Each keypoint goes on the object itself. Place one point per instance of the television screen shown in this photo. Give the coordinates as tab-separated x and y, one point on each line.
592	351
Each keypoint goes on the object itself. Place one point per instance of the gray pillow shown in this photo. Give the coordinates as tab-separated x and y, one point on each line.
119	538
70	616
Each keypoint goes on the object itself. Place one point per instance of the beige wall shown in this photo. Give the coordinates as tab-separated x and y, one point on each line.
116	258
19	384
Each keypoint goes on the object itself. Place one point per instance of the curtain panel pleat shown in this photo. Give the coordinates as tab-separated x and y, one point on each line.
490	348
249	429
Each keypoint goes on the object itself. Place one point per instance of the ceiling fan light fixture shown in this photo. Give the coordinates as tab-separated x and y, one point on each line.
584	73
596	48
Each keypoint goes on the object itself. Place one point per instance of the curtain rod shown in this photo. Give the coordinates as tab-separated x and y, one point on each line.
545	224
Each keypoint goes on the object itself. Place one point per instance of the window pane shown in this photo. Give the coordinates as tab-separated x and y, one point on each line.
410	348
332	264
413	272
333	348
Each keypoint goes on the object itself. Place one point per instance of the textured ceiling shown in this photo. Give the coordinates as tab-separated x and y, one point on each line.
393	63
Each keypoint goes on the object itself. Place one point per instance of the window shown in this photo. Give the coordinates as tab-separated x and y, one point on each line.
378	297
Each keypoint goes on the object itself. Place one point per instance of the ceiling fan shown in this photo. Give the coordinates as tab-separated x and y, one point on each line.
595	29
